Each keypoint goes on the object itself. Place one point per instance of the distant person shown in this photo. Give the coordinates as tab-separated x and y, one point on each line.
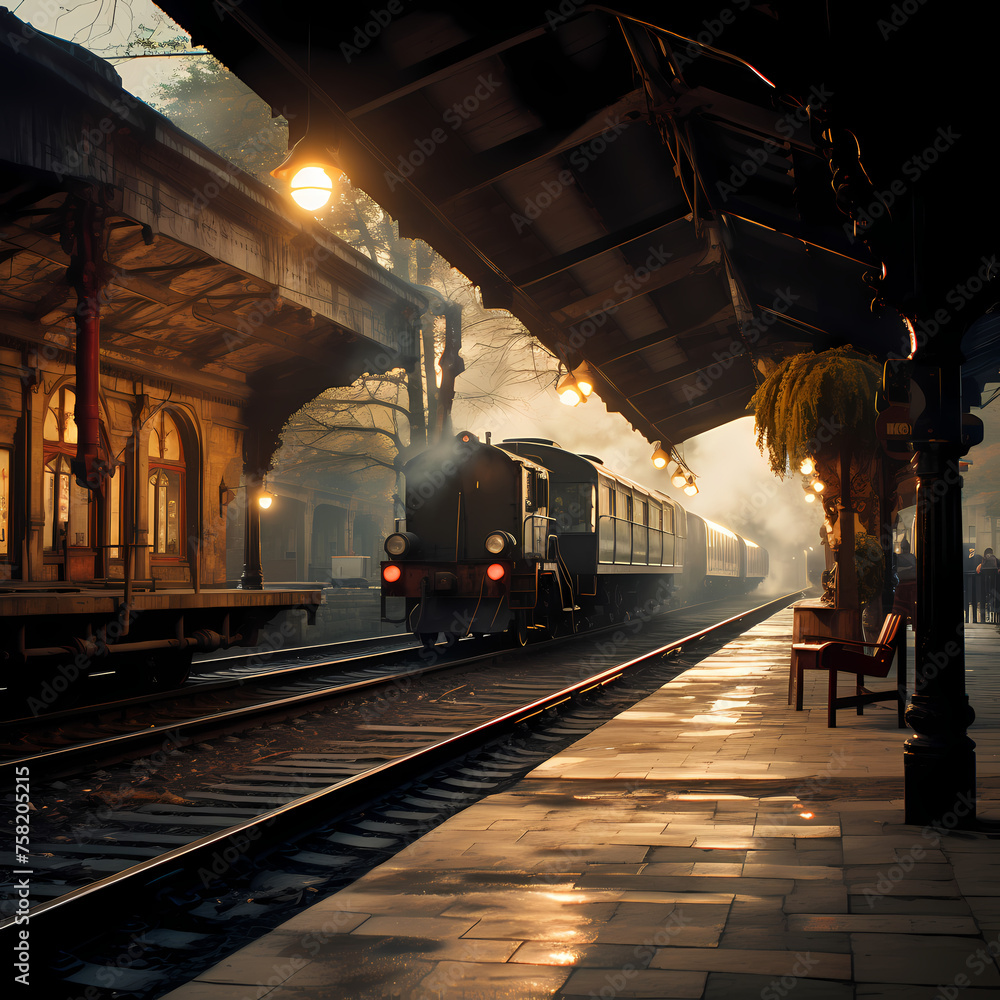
972	564
988	574
905	601
906	563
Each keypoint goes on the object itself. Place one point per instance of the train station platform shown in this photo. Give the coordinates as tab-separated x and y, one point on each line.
710	842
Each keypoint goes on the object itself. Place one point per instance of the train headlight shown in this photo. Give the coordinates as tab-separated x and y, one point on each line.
400	543
496	543
495	572
391	573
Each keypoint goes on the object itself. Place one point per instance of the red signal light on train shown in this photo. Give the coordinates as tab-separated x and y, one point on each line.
391	574
495	571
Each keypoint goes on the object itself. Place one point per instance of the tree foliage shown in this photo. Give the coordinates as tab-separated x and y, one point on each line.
218	109
354	434
813	403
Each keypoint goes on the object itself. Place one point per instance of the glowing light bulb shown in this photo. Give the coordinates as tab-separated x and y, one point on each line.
311	188
807	466
818	485
584	379
810	498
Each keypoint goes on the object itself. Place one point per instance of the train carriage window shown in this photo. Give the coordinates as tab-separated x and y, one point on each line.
644	518
623	505
165	498
606	497
668	519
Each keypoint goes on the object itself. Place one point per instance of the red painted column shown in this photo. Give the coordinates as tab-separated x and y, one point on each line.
87	227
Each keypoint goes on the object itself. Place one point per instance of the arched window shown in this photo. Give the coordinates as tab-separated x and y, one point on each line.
166	487
67	504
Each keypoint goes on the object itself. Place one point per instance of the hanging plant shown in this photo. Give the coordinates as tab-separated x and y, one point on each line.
809	401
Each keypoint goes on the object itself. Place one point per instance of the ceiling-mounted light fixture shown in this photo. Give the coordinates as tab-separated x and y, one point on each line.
690	487
659	458
312	165
310	169
679	478
569	391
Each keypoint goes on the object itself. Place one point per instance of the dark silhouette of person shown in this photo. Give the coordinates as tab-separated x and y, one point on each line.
988	574
906	563
905	600
972	564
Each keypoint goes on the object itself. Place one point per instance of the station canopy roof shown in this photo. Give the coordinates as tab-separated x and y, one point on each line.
208	284
679	195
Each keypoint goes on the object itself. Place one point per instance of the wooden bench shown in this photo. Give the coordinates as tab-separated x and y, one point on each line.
849	656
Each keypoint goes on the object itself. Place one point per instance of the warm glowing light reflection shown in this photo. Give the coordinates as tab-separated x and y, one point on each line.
808	815
563	957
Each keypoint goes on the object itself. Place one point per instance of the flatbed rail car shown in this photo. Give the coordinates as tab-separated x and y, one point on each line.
54	638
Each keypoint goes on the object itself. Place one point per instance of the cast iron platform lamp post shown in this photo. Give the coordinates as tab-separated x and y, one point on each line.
939	763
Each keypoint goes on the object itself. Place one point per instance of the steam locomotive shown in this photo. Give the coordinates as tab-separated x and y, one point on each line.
527	536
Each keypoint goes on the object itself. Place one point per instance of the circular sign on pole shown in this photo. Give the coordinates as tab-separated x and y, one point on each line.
895	431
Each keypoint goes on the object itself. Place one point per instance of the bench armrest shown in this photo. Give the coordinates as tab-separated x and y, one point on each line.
849	645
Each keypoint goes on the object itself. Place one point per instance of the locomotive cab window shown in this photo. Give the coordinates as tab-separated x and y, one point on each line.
531	500
573	507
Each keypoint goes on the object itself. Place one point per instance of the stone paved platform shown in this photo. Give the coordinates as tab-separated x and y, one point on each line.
709	843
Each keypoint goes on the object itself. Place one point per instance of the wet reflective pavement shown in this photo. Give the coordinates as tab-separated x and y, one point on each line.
710	843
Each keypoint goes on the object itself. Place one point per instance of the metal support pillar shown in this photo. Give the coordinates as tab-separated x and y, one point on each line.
939	763
253	575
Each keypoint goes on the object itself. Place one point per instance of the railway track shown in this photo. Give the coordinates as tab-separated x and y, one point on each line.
227	697
234	853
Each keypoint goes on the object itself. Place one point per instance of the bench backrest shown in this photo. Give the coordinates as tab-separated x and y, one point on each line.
890	628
